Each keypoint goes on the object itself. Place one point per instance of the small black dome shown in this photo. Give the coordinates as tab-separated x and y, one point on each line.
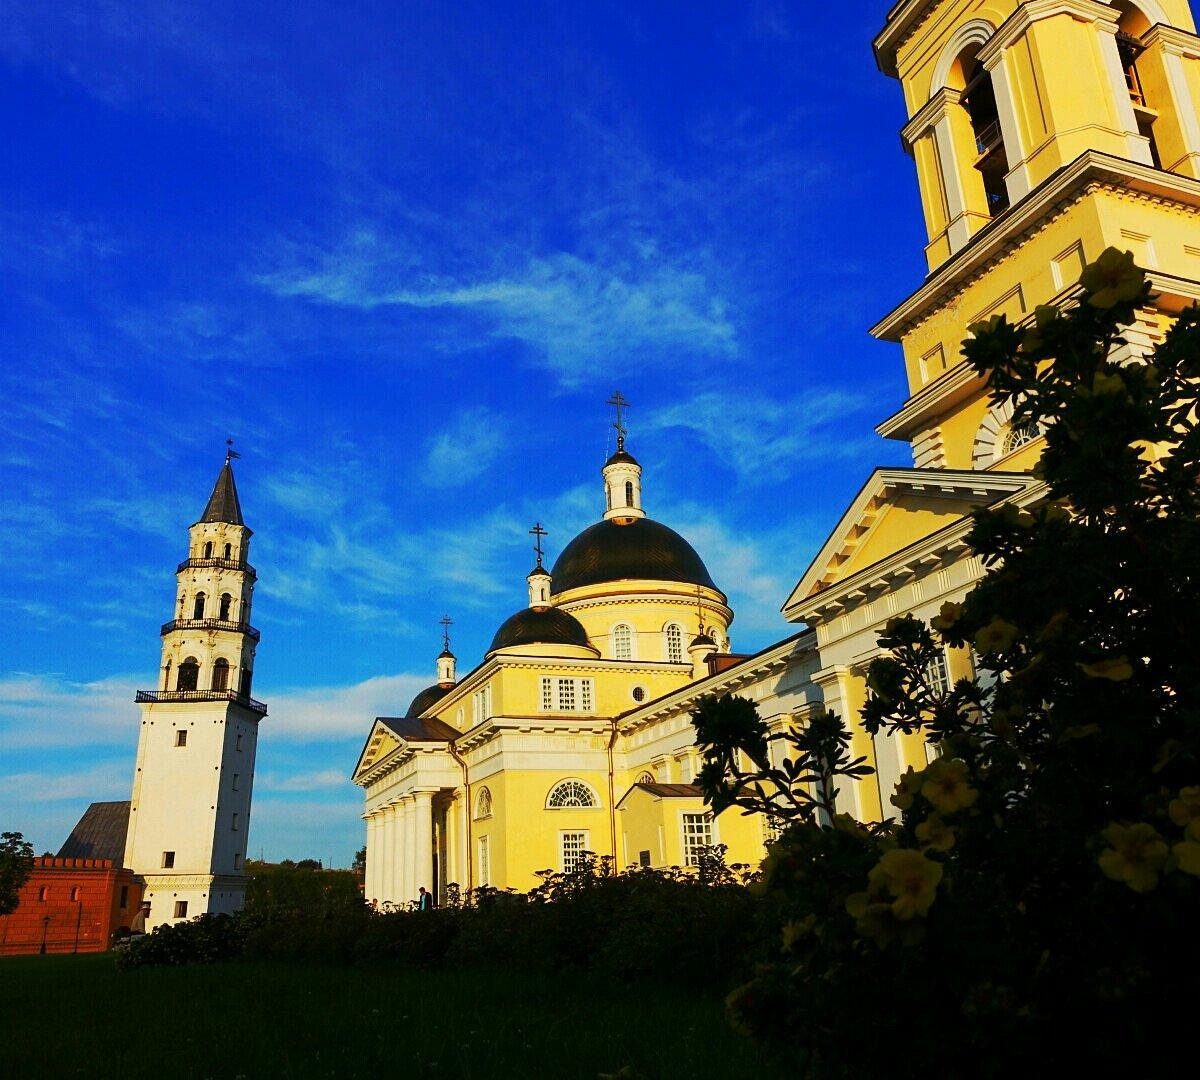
427	697
540	626
642	549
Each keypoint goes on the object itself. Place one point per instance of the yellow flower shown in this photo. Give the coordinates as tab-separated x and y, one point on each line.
946	786
907	788
1112	278
1113	668
1135	856
1187	857
1186	808
909	877
997	636
947	617
935	834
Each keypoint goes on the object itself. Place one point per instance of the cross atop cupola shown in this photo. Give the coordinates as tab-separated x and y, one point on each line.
539	576
622	473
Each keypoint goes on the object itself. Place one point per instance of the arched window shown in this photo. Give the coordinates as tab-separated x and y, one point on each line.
226	601
167	675
198	607
1022	435
571	793
628	492
1131	26
220	676
189	675
229	551
646	778
674	643
483	804
208	550
623	642
247	678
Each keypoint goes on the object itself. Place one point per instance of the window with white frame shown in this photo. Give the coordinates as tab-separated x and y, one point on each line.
623	642
1021	435
697	835
571	793
485	865
483	803
568	695
939	673
674	643
574	844
481	705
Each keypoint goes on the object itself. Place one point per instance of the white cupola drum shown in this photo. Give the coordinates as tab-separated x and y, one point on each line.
446	660
622	474
539	577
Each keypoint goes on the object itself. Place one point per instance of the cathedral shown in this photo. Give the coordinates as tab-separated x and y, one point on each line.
1042	132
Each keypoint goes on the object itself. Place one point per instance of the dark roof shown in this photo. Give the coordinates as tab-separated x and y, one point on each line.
540	626
427	697
703	639
100	833
673	791
446	654
642	549
223	503
622	457
420	728
539	569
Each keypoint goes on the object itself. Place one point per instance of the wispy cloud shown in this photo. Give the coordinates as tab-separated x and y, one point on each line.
468	448
44	710
321	780
322	713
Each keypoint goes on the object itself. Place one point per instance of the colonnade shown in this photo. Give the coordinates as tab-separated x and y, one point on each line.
400	847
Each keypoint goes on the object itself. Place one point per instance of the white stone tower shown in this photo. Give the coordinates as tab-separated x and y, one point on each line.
189	820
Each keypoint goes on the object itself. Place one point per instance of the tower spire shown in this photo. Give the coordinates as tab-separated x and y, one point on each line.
223	504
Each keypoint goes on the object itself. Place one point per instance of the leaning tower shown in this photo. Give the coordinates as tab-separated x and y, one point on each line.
189	819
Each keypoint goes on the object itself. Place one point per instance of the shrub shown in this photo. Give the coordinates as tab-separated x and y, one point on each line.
1034	898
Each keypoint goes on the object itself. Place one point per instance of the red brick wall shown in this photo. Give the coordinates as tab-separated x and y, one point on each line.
85	924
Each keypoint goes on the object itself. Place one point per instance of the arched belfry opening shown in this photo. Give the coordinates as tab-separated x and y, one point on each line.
1132	25
978	98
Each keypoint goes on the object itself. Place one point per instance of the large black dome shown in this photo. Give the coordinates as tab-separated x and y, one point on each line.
429	696
540	626
642	549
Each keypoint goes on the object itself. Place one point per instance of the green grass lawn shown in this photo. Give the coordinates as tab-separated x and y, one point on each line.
78	1016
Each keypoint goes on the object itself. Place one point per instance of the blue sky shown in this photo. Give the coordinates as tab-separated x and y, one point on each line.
402	254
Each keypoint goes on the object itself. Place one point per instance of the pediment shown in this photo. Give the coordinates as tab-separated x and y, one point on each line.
380	742
895	509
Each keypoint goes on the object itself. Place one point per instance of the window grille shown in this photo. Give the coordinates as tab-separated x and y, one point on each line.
697	834
547	694
939	674
623	642
573	846
571	793
674	634
483	803
585	695
639	694
485	866
566	695
1016	437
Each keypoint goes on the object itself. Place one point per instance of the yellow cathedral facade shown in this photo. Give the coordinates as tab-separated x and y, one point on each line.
1043	132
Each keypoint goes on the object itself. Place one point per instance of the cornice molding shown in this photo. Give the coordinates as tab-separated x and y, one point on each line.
1087	174
1173	40
928	115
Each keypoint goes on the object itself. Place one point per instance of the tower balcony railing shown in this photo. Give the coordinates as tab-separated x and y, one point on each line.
216	564
988	139
210	624
201	695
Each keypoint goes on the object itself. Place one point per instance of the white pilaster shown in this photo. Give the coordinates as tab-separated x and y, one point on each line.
1017	181
408	886
1138	144
423	841
372	855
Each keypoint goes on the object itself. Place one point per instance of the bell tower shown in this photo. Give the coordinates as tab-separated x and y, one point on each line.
1043	132
190	812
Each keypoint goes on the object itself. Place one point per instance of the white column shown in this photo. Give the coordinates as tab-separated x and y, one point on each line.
1017	180
423	840
405	887
956	201
383	848
372	855
399	851
451	840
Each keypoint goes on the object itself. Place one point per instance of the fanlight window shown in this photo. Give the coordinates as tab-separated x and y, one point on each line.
571	793
623	642
674	635
646	778
1016	437
483	803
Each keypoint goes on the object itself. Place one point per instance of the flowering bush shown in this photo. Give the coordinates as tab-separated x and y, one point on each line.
1035	892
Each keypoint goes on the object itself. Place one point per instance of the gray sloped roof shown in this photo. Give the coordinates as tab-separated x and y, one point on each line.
223	503
99	834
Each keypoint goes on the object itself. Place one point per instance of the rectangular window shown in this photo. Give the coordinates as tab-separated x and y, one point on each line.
238	746
574	844
585	695
235	823
481	704
237	860
76	894
547	694
44	893
124	897
643	858
236	777
485	869
566	695
181	909
939	673
697	834
181	738
168	859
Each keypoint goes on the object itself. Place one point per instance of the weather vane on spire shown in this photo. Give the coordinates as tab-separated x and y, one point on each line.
538	532
230	452
446	622
619	402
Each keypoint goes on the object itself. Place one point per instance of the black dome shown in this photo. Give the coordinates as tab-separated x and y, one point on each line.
540	626
643	549
427	697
